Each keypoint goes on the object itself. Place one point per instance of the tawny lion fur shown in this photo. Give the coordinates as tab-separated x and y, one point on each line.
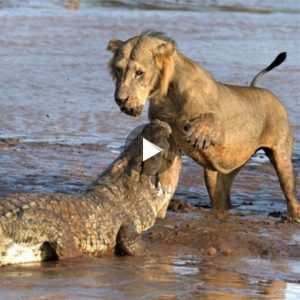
219	125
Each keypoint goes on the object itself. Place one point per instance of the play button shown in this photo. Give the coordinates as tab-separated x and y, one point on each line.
149	149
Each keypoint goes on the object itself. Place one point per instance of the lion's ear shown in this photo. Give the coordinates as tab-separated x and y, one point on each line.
114	45
165	62
165	50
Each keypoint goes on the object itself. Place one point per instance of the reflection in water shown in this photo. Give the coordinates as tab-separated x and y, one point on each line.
248	281
146	277
276	290
185	267
72	4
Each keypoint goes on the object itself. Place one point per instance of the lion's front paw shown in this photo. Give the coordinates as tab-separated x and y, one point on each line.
203	132
293	214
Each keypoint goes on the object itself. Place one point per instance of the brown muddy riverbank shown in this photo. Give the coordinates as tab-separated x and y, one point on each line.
63	128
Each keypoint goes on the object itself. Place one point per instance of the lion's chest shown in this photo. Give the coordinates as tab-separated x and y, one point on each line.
223	158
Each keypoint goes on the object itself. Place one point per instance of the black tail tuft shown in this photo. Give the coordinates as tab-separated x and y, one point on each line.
280	58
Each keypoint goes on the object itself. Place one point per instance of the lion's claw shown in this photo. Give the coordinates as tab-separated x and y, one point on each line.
293	214
203	132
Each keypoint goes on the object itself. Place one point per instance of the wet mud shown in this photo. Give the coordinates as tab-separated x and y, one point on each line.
226	233
60	127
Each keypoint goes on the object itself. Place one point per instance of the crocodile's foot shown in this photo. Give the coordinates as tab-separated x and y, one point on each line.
129	241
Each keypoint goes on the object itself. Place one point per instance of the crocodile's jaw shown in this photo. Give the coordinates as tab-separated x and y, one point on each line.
162	196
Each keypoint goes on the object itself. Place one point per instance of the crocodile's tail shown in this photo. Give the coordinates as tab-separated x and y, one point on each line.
280	58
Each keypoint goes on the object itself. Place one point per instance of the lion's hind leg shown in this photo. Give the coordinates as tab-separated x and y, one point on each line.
281	159
218	186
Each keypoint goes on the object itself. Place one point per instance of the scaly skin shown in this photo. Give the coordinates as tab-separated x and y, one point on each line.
116	208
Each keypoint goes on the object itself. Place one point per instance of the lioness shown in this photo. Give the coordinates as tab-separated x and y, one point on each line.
219	125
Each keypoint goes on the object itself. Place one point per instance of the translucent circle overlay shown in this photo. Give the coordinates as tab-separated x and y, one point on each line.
158	135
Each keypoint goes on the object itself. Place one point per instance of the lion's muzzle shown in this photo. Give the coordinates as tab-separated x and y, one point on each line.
131	111
121	101
126	107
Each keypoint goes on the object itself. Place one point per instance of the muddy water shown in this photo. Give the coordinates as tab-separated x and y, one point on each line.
63	128
148	278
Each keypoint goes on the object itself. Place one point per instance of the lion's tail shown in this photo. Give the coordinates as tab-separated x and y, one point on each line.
280	58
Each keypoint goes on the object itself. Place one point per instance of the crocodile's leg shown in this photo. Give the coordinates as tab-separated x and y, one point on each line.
55	231
129	241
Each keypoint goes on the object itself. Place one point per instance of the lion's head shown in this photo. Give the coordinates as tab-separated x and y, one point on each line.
142	67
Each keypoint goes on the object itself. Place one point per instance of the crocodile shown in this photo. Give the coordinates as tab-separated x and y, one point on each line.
108	218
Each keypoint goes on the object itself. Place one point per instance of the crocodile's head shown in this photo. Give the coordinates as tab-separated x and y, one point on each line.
160	134
156	178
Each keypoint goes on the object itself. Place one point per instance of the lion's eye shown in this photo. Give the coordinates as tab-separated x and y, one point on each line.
139	73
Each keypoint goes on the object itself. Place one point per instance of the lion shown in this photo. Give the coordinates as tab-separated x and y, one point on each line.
220	126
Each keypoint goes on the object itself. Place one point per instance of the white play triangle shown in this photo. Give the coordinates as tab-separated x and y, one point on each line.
149	149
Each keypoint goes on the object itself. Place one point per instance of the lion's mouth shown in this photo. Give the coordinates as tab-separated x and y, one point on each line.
134	111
